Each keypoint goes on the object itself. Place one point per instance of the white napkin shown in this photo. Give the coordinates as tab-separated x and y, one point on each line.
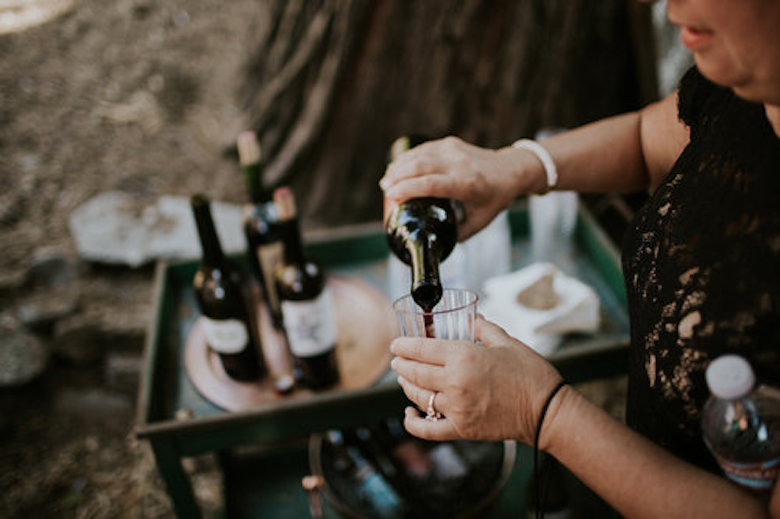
575	306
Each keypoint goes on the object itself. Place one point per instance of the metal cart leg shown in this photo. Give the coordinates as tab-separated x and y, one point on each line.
176	480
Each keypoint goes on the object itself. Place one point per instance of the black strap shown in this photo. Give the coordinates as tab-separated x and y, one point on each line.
537	476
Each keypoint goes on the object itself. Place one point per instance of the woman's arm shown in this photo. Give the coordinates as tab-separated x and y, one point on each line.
624	153
638	478
497	391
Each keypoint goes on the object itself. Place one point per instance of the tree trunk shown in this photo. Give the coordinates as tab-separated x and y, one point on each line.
333	82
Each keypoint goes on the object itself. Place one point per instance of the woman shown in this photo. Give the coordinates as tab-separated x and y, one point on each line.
700	263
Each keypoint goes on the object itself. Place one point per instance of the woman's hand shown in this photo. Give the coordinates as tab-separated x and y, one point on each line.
484	180
490	392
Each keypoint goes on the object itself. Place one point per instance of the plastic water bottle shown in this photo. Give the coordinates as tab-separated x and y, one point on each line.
741	424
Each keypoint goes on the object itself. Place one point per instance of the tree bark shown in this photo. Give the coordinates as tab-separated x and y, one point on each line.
333	82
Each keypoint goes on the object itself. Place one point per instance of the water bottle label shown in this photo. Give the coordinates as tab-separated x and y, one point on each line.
225	335
310	325
757	476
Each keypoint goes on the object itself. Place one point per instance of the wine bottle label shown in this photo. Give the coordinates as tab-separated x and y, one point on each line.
269	257
226	335
757	476
310	325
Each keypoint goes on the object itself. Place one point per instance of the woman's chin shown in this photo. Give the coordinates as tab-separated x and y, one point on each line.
726	75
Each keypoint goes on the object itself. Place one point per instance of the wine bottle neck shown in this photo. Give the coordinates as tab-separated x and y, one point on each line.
293	242
254	182
426	283
209	241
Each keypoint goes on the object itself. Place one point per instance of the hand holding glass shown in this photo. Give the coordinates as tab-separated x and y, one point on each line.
453	317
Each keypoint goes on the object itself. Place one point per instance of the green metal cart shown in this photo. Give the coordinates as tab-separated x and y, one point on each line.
280	431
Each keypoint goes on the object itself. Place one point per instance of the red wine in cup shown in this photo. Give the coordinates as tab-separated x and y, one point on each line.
430	331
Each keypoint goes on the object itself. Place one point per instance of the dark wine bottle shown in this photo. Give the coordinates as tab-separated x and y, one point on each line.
306	302
372	491
260	219
372	444
224	302
421	232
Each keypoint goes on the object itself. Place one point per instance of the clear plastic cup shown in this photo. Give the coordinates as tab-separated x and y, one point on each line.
453	317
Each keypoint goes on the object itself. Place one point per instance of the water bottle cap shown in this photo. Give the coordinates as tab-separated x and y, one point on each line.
730	377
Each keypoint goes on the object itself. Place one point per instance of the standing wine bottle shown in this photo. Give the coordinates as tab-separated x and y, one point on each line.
421	232
224	303
307	304
260	225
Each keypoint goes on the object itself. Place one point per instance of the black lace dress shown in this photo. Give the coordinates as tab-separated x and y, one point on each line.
702	266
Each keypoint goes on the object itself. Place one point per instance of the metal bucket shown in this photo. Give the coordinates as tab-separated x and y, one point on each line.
366	473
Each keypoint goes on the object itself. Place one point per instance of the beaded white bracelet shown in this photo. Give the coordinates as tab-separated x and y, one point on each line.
550	171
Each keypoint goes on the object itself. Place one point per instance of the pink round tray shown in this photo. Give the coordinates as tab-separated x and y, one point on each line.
365	328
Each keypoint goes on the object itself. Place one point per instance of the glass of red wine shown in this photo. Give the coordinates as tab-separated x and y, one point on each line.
453	317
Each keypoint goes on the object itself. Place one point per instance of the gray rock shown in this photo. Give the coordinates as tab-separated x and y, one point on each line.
51	267
122	373
77	340
41	313
92	403
23	357
123	342
11	282
113	227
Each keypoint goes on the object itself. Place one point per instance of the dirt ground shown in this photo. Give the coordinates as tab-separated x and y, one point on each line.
132	95
135	95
